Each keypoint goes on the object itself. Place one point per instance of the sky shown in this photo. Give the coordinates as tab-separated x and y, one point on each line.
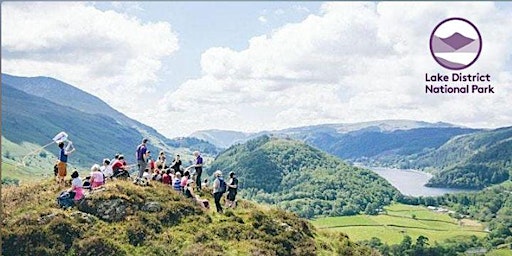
251	66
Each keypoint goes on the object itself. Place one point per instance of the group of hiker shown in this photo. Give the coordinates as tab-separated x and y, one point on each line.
183	180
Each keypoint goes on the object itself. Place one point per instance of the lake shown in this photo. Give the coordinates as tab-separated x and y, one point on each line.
412	182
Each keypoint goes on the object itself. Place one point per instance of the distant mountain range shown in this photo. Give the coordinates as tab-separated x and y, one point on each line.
36	109
356	141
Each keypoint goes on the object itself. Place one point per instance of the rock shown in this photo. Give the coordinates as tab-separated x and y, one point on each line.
46	218
152	207
112	210
83	217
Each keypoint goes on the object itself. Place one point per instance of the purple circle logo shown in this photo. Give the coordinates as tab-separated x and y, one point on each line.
455	43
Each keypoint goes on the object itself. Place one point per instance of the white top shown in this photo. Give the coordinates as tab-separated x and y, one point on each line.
107	171
146	175
77	182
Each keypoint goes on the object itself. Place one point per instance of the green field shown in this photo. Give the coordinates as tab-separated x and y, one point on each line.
397	221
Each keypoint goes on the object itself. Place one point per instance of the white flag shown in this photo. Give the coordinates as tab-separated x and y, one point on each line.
61	137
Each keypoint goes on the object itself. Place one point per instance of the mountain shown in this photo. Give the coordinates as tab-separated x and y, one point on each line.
473	160
126	219
220	138
28	118
302	179
33	111
69	96
377	140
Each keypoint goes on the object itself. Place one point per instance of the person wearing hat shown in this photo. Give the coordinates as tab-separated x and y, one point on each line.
232	190
219	187
142	157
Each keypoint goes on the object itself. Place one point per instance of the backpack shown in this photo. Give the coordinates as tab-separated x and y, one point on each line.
65	200
222	186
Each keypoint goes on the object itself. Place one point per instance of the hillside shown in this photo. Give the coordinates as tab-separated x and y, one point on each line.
377	141
126	219
33	112
302	179
470	161
27	118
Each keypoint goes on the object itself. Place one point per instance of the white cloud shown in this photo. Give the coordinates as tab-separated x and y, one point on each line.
351	62
105	53
262	19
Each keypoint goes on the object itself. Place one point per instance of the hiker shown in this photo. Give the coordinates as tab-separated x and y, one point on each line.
219	188
185	178
232	186
119	167
161	158
106	169
76	187
188	191
63	160
198	168
157	175
166	177
151	163
142	158
176	164
177	182
147	175
204	185
97	178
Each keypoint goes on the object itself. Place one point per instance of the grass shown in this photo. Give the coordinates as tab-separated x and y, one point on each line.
398	221
500	252
181	227
36	166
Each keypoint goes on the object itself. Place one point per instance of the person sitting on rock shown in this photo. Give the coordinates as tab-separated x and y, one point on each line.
96	177
76	187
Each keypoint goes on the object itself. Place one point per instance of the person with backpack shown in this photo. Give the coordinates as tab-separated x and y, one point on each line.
219	188
232	190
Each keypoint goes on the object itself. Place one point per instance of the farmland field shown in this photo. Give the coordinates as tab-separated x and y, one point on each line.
398	220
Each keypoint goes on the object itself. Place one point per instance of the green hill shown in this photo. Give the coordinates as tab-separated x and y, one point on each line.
471	161
34	110
126	219
302	179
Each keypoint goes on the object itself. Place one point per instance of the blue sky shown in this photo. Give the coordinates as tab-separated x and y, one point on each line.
202	25
251	66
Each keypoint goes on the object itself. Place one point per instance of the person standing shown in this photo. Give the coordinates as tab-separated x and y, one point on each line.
142	158
219	187
63	160
232	190
198	168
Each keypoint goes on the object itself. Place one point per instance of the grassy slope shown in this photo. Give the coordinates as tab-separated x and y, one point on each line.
398	222
180	227
37	166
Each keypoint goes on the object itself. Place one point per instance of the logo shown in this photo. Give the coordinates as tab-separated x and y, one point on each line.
455	43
